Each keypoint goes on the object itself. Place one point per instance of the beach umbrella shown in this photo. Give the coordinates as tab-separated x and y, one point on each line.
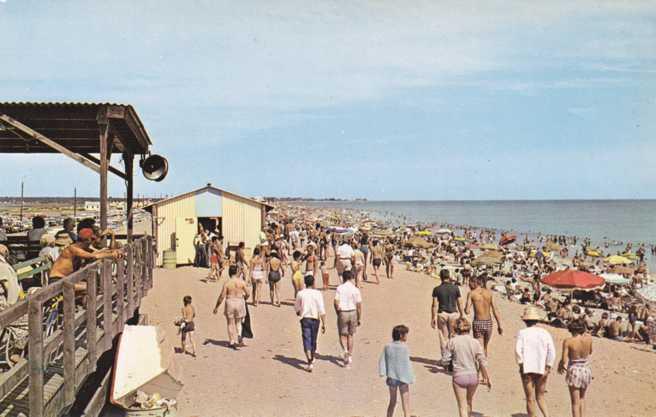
630	255
553	247
618	260
593	253
418	242
424	233
488	259
573	279
443	232
616	279
507	239
460	239
489	246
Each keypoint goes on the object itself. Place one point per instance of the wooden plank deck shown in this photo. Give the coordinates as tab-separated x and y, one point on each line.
57	366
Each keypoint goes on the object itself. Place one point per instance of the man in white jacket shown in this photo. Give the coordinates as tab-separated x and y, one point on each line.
535	353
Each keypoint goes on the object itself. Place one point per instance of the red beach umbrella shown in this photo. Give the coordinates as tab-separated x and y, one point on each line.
507	239
573	279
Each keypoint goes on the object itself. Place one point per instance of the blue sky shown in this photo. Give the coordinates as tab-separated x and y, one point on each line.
384	100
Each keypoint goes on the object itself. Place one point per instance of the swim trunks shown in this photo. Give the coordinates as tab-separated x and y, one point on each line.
579	374
344	265
188	326
377	262
235	308
274	276
393	383
482	328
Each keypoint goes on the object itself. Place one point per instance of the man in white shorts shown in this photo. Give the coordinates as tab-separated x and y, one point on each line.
344	258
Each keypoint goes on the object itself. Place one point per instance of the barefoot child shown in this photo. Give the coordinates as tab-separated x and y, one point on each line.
187	326
394	364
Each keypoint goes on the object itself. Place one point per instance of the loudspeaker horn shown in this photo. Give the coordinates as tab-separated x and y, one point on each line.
155	167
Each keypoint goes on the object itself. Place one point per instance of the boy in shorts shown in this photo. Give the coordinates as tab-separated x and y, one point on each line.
394	364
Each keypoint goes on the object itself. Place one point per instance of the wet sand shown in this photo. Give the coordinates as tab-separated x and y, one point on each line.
266	378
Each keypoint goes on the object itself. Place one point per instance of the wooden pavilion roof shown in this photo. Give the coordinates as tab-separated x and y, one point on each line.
76	126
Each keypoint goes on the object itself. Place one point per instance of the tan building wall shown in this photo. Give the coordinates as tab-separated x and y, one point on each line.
242	221
165	223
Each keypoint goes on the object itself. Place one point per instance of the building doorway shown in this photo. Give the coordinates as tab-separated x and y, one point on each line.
212	225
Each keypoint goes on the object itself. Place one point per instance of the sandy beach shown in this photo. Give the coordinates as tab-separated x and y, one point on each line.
266	378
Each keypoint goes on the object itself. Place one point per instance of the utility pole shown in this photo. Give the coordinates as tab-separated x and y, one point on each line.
21	206
75	203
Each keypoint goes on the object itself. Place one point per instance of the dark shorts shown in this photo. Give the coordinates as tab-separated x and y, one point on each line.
309	331
188	327
274	276
393	383
377	262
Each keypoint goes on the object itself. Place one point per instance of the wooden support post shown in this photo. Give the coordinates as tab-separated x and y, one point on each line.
138	274
149	262
104	164
120	293
144	262
106	272
69	343
129	277
35	356
92	351
128	158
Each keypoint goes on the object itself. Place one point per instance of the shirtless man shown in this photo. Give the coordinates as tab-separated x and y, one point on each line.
311	262
615	329
389	259
483	301
235	292
377	253
70	259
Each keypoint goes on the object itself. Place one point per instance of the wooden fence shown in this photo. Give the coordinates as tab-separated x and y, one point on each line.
59	362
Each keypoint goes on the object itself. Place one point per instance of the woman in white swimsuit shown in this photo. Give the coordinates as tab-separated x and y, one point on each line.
257	275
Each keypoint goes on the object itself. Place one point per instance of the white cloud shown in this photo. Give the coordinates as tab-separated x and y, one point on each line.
284	56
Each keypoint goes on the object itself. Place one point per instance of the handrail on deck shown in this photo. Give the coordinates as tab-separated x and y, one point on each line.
122	284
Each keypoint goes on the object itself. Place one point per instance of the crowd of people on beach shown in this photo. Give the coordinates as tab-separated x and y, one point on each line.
65	251
301	247
304	248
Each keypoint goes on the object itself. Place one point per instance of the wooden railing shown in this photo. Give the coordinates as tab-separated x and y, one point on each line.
58	363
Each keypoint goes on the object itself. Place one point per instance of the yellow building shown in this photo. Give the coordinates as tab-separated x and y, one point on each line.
176	220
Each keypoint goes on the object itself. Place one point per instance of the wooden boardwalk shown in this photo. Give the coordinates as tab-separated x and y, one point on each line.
46	383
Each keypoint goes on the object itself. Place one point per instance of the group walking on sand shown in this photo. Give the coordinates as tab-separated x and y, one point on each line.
464	344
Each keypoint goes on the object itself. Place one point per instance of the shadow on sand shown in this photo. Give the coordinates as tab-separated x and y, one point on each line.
300	363
223	343
430	364
330	358
295	362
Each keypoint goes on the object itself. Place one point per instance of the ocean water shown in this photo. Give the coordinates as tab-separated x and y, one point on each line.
619	220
